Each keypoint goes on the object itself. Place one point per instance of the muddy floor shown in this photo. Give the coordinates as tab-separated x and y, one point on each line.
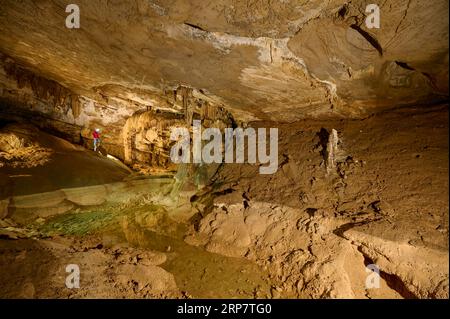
132	252
307	231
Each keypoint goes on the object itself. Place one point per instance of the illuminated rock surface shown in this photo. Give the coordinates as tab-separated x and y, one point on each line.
363	149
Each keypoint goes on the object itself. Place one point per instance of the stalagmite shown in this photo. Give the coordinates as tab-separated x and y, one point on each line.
332	150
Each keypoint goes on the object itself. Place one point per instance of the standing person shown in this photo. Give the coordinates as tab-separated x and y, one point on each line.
96	135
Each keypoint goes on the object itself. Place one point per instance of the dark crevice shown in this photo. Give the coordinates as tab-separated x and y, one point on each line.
404	65
197	197
195	221
343	228
311	211
323	135
431	79
342	11
393	281
194	26
369	38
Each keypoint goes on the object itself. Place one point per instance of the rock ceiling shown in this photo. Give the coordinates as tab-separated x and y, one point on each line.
261	59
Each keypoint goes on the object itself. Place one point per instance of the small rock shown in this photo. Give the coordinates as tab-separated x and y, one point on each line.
40	220
276	292
376	206
304	198
28	290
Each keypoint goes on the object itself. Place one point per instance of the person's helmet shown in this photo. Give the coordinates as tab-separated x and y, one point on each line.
97	130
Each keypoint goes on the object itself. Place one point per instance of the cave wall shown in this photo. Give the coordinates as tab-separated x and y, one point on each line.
280	61
146	138
26	96
146	134
137	133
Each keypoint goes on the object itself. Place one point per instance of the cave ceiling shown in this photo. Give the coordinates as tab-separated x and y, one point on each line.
261	59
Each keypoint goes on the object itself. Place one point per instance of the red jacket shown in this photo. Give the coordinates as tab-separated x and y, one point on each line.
95	134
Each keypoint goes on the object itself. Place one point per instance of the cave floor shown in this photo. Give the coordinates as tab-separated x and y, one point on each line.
105	239
303	232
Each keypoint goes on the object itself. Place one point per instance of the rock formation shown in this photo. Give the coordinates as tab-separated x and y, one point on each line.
362	177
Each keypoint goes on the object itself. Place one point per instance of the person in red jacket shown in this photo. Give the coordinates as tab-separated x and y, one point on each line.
96	136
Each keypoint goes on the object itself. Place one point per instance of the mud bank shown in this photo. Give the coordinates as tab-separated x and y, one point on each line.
307	231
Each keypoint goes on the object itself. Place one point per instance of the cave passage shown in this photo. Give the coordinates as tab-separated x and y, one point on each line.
235	150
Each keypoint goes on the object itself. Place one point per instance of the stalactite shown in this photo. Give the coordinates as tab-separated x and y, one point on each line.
186	94
76	106
43	88
138	148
